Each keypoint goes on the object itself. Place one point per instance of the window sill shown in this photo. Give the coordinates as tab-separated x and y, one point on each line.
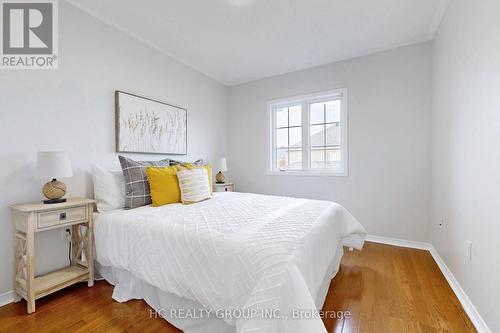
313	173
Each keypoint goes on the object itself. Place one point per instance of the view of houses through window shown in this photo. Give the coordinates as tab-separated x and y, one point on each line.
308	134
325	134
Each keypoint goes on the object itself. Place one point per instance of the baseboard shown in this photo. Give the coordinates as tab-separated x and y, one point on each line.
398	242
468	306
7	298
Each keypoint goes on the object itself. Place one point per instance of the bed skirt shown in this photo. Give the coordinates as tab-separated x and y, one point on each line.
164	304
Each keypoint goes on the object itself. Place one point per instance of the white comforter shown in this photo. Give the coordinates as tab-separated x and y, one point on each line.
236	251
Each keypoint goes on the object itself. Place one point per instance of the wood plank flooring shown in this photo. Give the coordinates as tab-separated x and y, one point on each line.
384	289
393	289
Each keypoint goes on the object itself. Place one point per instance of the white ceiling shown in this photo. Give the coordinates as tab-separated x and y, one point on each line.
235	41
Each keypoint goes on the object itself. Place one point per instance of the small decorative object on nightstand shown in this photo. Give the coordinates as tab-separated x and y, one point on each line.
28	219
219	178
225	187
52	165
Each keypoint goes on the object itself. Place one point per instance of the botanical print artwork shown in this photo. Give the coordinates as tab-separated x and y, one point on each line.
147	126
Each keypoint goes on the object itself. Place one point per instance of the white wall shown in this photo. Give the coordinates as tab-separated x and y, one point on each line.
466	149
388	186
72	108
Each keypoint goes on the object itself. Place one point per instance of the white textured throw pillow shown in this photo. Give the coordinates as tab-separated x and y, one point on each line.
109	188
194	185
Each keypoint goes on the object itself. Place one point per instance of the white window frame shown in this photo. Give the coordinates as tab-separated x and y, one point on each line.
306	101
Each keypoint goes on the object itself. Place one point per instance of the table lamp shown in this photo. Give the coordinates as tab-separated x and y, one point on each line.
219	178
53	165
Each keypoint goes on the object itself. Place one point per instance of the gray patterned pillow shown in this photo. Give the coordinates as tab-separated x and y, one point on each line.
137	191
197	162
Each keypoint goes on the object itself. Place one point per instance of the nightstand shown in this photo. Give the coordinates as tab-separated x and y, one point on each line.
28	219
223	187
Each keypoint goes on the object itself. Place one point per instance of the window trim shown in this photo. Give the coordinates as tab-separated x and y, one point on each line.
306	100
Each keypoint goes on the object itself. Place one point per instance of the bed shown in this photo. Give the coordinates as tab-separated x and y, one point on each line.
238	262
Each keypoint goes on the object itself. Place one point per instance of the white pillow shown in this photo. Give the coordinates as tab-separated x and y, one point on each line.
194	185
109	188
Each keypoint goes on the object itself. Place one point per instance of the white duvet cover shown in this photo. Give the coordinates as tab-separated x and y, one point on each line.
257	259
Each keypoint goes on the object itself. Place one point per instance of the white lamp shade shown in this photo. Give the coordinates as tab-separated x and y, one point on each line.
54	164
223	164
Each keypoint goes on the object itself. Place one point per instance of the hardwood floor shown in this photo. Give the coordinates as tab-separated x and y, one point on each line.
385	289
393	289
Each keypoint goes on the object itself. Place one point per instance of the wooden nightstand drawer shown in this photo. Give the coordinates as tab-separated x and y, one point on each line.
223	187
62	216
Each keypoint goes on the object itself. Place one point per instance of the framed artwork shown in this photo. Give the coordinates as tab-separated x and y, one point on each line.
144	125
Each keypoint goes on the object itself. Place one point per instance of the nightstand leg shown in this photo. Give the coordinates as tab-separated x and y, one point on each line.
19	249
90	245
31	305
30	264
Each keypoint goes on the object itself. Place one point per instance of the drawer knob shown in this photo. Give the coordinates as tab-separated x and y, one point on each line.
62	216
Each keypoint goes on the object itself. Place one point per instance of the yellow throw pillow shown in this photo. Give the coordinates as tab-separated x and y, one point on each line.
164	185
208	167
193	184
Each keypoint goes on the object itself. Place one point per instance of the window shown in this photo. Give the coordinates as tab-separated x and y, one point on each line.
308	134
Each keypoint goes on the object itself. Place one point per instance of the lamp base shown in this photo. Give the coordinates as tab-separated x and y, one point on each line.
54	191
219	178
54	201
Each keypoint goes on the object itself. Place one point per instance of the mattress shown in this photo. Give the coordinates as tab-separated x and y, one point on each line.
238	251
